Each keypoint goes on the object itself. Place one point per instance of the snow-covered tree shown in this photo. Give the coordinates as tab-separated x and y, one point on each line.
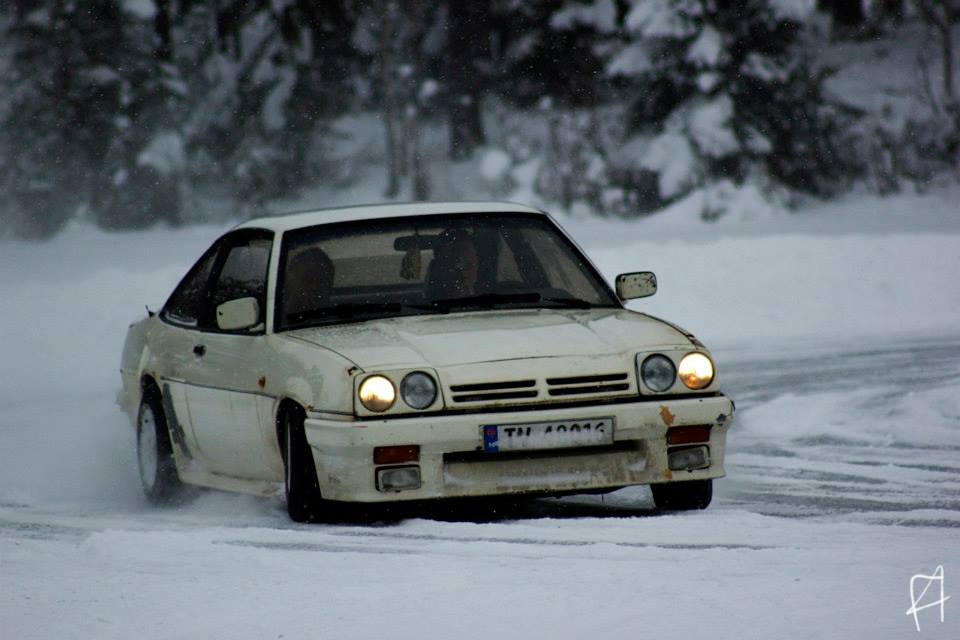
143	176
87	96
63	96
546	49
403	42
721	93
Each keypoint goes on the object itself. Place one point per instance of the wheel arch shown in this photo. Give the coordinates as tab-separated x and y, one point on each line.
284	407
149	384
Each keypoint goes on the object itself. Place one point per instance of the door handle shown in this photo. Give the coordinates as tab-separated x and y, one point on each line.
199	350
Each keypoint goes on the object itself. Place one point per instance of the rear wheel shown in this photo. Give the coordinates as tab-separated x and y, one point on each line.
300	474
683	496
158	471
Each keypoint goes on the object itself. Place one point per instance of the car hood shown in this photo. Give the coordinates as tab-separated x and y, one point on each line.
490	336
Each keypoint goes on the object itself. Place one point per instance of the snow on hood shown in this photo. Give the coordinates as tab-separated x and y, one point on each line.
488	336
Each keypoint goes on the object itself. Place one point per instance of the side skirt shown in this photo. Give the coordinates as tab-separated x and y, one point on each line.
202	478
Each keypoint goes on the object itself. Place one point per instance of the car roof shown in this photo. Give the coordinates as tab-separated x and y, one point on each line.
296	220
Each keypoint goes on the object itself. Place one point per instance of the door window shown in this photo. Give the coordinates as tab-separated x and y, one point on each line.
243	275
186	303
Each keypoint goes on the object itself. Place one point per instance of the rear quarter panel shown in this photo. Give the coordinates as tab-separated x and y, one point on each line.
132	359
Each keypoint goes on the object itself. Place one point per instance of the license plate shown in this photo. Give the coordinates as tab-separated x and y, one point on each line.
588	432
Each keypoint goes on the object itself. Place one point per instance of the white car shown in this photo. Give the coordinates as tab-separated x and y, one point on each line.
417	351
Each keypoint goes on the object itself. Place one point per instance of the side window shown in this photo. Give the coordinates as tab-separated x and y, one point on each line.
243	275
186	303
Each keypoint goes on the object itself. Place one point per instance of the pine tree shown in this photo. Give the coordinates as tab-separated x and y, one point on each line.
468	49
144	174
87	95
546	49
63	97
401	41
272	78
722	94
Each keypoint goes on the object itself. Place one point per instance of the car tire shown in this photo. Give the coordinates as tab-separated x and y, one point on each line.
157	468
683	496
301	487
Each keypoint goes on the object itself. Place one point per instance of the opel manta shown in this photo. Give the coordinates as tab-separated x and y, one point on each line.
417	352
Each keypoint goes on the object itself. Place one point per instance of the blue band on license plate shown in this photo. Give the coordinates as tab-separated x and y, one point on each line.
490	439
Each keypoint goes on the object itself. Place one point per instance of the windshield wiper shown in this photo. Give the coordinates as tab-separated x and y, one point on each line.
575	303
488	299
350	309
360	310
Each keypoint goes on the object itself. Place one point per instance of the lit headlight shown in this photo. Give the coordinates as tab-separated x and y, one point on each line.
377	393
418	390
696	371
658	373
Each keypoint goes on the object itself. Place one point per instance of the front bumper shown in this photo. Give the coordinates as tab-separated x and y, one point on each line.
453	464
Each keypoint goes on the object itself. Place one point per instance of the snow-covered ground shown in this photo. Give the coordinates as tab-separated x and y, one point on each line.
836	330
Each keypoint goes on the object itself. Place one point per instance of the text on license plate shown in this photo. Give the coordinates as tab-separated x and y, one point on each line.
589	432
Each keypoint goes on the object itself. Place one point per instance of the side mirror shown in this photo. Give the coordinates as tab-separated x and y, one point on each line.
639	284
242	313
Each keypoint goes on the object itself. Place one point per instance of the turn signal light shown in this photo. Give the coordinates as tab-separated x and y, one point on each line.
393	455
688	435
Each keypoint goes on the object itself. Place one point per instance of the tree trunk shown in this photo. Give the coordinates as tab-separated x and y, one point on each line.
389	97
946	44
403	145
162	26
891	10
845	13
469	26
420	182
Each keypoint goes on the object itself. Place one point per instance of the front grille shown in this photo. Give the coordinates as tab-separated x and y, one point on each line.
586	385
486	391
572	387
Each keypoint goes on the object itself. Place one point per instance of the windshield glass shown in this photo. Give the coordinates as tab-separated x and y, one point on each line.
430	264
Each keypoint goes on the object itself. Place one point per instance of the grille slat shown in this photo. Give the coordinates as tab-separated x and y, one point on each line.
566	386
599	388
604	377
493	386
503	395
586	385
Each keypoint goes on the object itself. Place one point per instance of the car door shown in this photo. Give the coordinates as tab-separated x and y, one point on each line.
230	416
172	358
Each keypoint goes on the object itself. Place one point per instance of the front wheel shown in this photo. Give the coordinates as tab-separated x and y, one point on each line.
300	474
683	496
158	471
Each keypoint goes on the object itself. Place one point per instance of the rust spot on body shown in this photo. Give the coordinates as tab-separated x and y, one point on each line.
666	416
668	474
262	382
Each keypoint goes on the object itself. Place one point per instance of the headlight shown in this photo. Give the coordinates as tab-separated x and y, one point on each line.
658	373
418	390
696	371
377	393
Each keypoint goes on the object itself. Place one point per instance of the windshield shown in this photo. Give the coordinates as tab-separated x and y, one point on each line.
430	264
